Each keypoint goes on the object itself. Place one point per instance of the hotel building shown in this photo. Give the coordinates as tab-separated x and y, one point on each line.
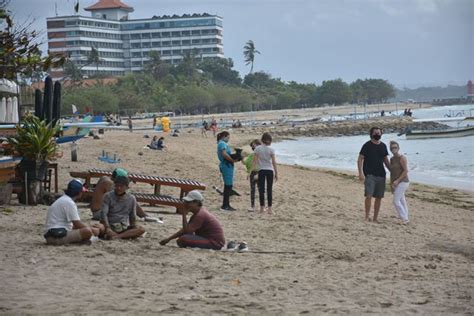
123	45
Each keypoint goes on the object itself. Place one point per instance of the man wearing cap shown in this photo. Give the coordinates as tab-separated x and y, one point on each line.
106	184
203	229
63	225
119	212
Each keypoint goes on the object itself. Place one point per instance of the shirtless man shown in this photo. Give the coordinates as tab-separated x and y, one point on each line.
106	184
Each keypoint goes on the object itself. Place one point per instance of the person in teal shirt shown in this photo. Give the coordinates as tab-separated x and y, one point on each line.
226	167
252	173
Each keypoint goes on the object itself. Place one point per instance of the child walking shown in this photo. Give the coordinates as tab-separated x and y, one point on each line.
252	173
264	161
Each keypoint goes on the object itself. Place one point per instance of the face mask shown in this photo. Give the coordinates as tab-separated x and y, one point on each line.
394	151
376	136
226	139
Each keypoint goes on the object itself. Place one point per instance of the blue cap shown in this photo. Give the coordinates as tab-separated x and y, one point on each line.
75	187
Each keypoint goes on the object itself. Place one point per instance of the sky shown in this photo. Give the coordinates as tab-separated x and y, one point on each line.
410	43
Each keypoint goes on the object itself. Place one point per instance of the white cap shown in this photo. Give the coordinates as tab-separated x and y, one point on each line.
194	195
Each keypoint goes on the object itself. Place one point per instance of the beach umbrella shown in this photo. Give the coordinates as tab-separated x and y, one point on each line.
38	104
9	112
56	102
15	118
48	100
3	110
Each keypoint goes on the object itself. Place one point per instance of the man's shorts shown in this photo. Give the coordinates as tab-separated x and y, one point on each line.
374	186
119	227
73	236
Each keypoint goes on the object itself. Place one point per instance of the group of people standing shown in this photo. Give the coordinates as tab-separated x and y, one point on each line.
370	164
261	168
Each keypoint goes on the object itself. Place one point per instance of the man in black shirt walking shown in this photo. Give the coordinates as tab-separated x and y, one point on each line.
370	164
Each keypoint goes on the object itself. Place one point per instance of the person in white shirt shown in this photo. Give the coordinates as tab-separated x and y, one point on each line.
264	161
63	224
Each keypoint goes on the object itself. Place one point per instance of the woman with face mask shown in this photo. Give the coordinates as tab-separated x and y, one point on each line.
399	181
226	168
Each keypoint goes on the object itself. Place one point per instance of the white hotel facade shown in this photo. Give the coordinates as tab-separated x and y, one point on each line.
124	44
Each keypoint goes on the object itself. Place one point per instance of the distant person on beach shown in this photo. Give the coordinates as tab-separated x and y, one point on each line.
399	181
63	224
265	161
119	212
130	124
370	164
226	167
252	172
203	229
154	143
214	126
205	128
106	184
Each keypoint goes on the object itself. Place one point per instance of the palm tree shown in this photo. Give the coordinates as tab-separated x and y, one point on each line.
94	58
249	54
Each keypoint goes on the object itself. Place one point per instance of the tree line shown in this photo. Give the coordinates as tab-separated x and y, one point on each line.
198	86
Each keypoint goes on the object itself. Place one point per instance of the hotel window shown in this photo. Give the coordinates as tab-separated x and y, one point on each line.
147	44
136	36
145	35
156	44
166	43
196	32
196	41
185	33
174	43
156	35
175	34
165	34
186	42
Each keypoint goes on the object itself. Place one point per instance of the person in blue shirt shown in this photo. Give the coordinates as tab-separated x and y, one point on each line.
226	167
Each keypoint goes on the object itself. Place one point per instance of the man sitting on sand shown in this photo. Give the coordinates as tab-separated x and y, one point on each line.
203	229
63	225
106	184
119	212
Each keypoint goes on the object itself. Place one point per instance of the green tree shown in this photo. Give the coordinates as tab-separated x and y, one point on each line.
334	92
101	98
71	71
249	54
155	66
220	71
194	99
261	79
94	58
19	49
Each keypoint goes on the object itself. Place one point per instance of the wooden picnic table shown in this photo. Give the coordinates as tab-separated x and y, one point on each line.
155	198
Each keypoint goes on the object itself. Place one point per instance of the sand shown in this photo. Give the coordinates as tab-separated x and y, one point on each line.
315	256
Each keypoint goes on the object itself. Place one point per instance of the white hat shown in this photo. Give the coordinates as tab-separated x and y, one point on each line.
194	195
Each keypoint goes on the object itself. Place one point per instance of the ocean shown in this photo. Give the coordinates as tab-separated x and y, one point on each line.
446	162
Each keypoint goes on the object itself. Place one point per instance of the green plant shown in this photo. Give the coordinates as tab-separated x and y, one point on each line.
35	139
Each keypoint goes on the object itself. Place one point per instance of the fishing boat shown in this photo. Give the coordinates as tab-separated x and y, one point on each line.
441	133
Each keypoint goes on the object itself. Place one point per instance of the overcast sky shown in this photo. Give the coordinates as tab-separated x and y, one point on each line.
408	42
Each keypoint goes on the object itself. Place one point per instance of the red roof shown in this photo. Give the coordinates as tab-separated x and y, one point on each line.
109	4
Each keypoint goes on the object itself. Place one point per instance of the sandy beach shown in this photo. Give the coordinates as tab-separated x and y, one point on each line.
315	256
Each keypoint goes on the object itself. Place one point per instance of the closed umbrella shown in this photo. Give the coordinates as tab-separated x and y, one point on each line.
3	110
9	112
15	118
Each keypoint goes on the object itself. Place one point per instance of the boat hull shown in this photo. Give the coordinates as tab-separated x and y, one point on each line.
455	132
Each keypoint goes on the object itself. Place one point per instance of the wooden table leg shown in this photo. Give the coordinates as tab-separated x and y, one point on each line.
157	189
56	178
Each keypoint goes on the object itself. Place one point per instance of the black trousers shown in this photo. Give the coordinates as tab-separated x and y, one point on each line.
227	191
253	185
265	176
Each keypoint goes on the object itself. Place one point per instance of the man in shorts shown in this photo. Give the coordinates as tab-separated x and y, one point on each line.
203	229
106	184
370	164
119	212
63	225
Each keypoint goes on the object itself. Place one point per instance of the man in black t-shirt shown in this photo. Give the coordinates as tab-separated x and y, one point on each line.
370	164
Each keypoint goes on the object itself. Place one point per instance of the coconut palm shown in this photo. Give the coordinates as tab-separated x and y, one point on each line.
249	54
94	58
